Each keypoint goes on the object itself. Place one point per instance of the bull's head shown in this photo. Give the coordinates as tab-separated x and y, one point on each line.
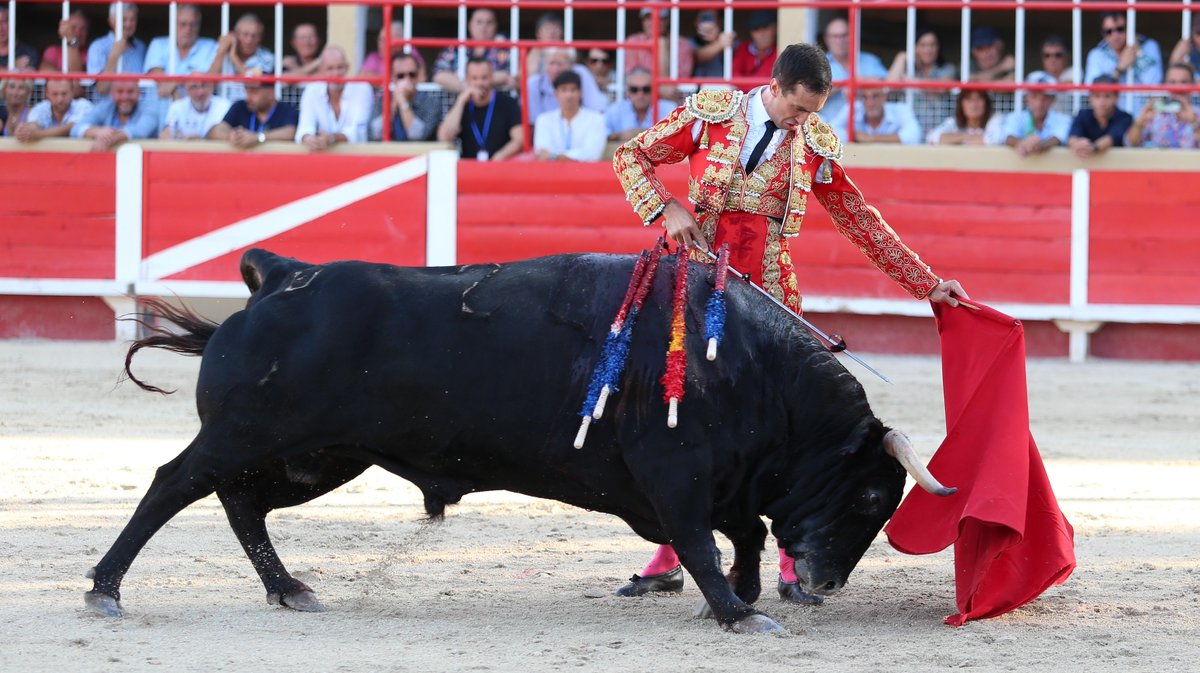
828	530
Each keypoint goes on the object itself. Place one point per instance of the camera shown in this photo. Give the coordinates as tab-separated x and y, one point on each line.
1168	105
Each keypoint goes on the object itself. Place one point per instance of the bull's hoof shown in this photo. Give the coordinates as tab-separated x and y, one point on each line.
792	593
702	610
757	623
303	600
671	581
103	604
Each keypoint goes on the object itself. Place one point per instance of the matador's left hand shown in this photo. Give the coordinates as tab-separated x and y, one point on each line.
946	291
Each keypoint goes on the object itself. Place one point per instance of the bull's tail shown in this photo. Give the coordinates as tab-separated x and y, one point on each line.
194	333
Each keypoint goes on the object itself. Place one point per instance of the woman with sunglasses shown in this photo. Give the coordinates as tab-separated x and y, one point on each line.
599	63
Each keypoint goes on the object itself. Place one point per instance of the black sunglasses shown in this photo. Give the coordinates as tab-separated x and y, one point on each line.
1114	29
639	89
406	75
1053	54
603	59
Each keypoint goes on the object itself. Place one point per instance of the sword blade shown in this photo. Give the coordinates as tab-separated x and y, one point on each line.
804	321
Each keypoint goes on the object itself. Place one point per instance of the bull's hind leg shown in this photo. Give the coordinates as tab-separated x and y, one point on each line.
249	498
192	475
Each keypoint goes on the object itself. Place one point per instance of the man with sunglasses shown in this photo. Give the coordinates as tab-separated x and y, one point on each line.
626	118
415	114
1130	62
755	160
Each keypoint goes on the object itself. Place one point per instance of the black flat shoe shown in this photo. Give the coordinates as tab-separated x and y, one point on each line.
671	581
792	593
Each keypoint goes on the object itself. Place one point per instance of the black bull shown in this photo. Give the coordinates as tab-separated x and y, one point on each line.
470	379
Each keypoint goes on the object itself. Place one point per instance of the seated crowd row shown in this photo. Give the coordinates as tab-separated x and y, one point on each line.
567	103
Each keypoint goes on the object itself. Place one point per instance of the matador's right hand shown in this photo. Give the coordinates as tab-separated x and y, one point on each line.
682	227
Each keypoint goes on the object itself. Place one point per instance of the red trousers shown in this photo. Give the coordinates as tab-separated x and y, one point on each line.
757	248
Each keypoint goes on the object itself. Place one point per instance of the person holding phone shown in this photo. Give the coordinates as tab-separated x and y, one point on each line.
1168	121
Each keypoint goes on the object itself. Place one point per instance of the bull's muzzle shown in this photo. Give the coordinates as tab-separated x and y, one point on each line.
818	586
900	447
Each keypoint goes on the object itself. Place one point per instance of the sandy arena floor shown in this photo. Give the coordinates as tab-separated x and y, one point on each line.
503	583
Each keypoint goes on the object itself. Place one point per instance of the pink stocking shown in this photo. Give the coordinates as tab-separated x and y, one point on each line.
664	560
787	569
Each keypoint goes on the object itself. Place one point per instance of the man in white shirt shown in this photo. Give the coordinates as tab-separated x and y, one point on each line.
191	118
878	121
54	116
334	112
572	132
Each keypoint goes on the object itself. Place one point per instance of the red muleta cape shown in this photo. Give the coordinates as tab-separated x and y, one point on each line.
1011	541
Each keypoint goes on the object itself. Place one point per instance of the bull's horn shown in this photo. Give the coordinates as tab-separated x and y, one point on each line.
899	447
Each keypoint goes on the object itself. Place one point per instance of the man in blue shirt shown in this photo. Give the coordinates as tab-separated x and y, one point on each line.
193	53
1101	126
837	41
1036	128
117	119
1139	62
258	118
631	115
111	55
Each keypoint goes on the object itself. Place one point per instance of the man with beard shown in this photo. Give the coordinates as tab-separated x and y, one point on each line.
334	112
258	118
118	119
55	116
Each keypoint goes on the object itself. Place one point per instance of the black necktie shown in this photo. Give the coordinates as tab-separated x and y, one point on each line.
761	147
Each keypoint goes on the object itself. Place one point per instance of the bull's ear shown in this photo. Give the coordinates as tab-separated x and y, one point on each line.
866	434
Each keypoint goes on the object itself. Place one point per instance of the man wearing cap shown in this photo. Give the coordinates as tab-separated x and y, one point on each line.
754	58
989	63
258	118
1038	127
755	160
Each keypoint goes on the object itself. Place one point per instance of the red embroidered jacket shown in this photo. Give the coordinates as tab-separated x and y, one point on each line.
806	162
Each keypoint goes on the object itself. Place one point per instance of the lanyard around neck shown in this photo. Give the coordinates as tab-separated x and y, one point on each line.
481	136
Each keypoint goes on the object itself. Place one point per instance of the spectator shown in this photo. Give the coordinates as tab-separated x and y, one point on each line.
1188	50
837	50
642	58
54	117
878	121
109	55
119	118
572	132
974	122
241	50
754	58
75	31
1116	56
1038	128
486	123
305	59
1168	121
708	46
928	65
16	105
989	62
25	56
373	63
549	28
414	113
1101	127
258	118
482	26
599	63
193	53
631	115
1056	62
193	117
334	112
541	91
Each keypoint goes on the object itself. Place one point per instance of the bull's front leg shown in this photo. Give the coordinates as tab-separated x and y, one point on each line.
699	555
744	577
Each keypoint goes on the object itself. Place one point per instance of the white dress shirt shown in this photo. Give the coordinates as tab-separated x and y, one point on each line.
581	139
316	115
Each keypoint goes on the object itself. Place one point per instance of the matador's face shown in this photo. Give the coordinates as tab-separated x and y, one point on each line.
789	110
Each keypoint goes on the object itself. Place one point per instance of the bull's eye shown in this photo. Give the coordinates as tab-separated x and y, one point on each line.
869	502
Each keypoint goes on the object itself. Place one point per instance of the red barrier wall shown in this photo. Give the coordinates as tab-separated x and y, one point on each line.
57	214
183	202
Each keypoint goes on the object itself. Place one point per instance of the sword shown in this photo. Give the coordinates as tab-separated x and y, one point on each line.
837	345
